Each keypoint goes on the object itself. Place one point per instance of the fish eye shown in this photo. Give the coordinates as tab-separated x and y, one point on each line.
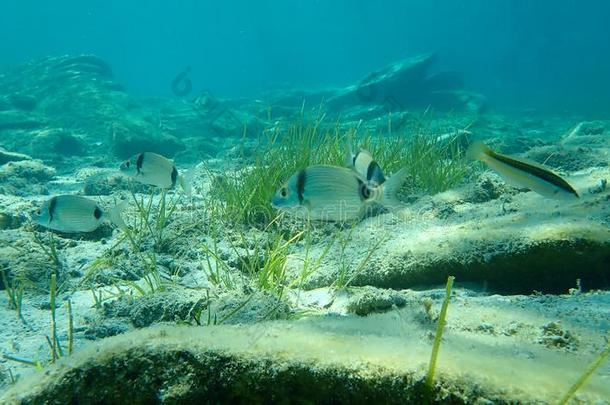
126	163
284	192
38	212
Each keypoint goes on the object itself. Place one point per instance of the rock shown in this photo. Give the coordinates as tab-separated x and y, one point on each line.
486	327
567	158
25	260
102	328
69	145
11	221
160	307
189	306
128	143
6	156
24	177
588	134
72	102
105	183
486	187
51	142
205	118
347	360
401	86
553	335
30	170
461	100
593	128
516	243
366	300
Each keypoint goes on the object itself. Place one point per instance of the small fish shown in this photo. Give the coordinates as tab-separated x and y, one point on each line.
72	213
156	170
522	173
365	165
331	193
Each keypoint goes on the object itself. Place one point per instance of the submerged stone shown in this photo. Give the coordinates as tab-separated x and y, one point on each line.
400	86
8	156
324	360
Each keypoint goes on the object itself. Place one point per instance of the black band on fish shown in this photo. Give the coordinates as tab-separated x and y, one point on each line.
97	213
52	206
539	172
363	190
139	161
374	172
300	185
174	176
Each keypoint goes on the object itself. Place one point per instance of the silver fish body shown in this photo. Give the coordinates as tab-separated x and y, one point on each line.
523	173
155	170
71	213
329	193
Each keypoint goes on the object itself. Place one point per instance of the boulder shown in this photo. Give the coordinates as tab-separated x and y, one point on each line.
25	177
7	156
404	85
129	144
60	105
378	359
506	240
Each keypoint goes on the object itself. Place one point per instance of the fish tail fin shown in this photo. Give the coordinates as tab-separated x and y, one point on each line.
114	215
391	187
186	182
477	151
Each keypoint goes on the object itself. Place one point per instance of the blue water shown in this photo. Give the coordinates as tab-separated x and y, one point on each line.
545	55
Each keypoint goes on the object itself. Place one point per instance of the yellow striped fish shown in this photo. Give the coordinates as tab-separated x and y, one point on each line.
522	173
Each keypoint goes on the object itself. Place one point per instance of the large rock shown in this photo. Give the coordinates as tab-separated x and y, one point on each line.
66	106
505	240
71	105
8	156
25	176
401	86
377	359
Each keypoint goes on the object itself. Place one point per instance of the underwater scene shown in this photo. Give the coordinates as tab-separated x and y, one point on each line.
318	201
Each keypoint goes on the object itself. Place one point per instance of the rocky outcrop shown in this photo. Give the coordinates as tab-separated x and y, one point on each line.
503	239
404	85
72	106
377	359
25	177
8	156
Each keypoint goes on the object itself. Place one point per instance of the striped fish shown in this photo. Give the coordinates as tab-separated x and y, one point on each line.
72	213
365	165
522	173
156	170
330	193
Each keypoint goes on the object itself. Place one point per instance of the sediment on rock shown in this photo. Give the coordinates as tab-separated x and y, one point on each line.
321	362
